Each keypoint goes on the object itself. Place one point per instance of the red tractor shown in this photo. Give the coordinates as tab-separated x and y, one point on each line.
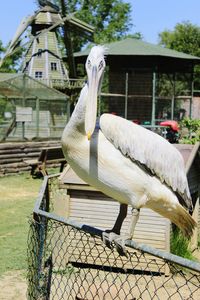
172	131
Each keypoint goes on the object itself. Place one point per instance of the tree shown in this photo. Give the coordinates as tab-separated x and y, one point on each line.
111	19
184	38
11	63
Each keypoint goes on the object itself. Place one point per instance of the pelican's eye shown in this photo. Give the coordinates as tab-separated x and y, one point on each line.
89	64
101	64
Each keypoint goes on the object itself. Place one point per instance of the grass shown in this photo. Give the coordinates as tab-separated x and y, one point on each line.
180	245
17	197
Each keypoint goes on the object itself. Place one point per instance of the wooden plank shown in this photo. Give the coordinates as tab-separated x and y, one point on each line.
192	156
13	153
75	186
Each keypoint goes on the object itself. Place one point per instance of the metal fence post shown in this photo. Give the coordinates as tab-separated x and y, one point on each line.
126	98
153	99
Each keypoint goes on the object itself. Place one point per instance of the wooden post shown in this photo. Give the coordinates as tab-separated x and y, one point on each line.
126	98
191	98
23	105
23	130
153	99
37	116
173	96
68	109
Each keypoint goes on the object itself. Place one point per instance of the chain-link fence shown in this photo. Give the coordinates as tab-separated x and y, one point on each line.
68	260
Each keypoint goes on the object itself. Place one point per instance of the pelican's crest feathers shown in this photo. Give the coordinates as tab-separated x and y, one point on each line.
97	51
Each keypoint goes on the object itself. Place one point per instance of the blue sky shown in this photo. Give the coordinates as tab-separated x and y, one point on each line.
148	16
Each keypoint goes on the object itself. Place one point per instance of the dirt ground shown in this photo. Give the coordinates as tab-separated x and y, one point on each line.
13	286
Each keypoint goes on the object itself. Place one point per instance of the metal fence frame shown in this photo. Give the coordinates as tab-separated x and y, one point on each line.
36	265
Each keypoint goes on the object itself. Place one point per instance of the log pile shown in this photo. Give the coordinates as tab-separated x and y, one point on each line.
13	156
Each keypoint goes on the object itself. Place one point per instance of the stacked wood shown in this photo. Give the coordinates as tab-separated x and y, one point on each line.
13	156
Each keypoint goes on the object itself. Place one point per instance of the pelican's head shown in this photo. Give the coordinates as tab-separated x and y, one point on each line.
95	65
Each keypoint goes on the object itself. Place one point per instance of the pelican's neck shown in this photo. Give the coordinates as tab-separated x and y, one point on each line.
77	120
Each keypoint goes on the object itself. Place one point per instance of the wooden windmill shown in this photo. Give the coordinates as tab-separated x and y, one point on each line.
43	59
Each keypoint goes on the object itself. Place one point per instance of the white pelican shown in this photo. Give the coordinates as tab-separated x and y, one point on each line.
125	161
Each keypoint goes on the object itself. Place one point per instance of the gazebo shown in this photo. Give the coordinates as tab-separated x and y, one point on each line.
33	108
136	72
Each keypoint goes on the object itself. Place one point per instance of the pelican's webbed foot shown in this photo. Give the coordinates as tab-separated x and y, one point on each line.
113	240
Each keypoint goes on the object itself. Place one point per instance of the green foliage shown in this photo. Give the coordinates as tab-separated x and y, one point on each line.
111	19
184	38
192	134
2	49
12	63
180	245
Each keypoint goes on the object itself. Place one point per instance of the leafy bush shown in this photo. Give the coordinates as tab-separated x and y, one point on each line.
192	134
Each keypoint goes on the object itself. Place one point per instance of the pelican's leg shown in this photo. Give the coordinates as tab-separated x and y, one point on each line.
113	235
110	237
134	218
120	240
120	219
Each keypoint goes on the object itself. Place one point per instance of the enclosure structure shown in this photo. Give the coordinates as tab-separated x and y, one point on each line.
191	155
68	260
146	83
32	109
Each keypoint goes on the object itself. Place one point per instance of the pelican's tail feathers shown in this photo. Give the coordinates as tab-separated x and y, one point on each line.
183	220
177	215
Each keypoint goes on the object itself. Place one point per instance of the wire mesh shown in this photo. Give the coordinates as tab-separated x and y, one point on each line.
69	263
68	260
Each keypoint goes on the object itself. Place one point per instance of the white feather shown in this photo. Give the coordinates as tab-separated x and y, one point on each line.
149	149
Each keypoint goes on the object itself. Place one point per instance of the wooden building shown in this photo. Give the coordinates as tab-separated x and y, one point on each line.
43	60
135	72
89	206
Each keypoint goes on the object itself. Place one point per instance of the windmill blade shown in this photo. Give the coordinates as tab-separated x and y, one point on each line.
13	46
43	3
27	21
16	39
78	23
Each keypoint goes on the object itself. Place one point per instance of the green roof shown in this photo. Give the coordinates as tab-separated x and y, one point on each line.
19	85
6	76
131	47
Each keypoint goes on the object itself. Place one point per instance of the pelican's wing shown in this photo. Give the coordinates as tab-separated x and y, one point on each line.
149	150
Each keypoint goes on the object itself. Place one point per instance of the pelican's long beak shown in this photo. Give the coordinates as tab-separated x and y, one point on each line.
91	104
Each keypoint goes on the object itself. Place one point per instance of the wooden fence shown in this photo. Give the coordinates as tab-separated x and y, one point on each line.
13	156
